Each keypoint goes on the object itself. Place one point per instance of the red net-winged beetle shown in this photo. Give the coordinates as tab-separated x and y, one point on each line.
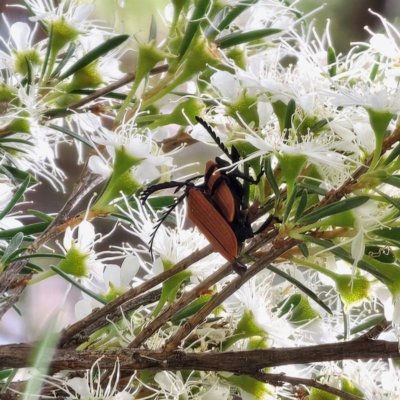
215	206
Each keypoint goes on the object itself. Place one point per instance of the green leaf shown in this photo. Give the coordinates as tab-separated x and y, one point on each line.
389	199
302	204
110	95
31	268
7	375
302	287
69	53
331	61
4	299
320	124
31	229
236	38
13	256
289	204
13	140
304	249
191	309
194	23
313	189
388	233
212	30
18	173
380	253
270	178
7	173
170	289
40	359
393	155
393	180
290	110
58	112
39	255
39	21
41	215
334	208
72	134
13	149
17	195
153	29
11	248
78	285
95	54
346	256
367	324
17	310
29	78
232	15
48	51
375	68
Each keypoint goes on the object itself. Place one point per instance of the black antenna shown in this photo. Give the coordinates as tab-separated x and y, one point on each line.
214	136
162	219
165	185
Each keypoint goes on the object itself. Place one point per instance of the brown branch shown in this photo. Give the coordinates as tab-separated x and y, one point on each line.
279	379
179	305
131	305
240	362
375	331
218	298
85	183
188	297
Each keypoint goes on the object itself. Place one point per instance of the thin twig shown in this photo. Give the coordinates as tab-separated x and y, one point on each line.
375	331
279	379
131	305
218	298
101	313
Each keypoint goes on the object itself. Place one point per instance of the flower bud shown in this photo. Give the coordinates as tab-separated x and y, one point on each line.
18	125
87	77
318	394
75	263
299	308
349	387
352	290
32	56
63	33
244	107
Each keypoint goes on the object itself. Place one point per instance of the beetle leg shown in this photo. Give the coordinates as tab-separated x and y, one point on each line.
265	224
239	267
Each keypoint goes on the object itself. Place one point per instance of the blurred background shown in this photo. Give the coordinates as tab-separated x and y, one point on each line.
347	21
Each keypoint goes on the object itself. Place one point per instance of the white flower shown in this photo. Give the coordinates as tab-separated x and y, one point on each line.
116	281
73	12
89	388
317	150
139	146
377	97
20	40
81	259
